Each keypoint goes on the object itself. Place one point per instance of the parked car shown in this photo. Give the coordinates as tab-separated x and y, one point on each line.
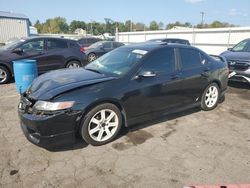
126	86
238	59
87	41
51	53
98	49
171	40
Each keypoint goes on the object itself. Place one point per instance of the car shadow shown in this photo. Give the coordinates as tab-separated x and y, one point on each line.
156	120
239	85
80	143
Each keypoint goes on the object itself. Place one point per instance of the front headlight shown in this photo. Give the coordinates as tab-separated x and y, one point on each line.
53	106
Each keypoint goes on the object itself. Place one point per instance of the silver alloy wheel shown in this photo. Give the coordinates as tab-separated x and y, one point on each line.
91	57
211	96
73	65
103	125
3	75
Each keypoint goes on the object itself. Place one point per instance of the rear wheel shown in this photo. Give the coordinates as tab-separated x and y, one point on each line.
91	57
4	75
73	64
101	124
210	97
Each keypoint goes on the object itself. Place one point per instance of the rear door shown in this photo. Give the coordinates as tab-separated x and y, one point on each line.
56	54
195	72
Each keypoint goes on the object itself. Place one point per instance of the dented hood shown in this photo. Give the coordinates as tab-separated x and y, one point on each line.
51	84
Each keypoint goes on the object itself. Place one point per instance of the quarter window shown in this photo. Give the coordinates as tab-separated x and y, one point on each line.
161	61
190	58
55	44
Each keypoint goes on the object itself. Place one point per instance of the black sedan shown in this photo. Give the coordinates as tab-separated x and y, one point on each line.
50	52
126	86
100	48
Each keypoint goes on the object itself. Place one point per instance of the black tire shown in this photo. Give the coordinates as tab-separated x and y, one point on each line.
91	57
4	75
73	64
206	96
88	125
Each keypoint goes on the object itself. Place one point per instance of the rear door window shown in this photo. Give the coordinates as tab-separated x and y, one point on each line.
56	44
161	61
190	58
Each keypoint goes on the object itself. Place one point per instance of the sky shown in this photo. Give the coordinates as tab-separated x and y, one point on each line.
167	11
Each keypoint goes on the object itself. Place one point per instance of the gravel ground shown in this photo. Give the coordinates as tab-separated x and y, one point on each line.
192	147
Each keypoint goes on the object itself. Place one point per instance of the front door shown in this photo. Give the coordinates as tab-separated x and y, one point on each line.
159	90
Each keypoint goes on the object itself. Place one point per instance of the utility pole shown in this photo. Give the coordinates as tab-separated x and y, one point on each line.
202	18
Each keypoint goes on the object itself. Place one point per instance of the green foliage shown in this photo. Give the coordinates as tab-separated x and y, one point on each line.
77	24
59	25
153	26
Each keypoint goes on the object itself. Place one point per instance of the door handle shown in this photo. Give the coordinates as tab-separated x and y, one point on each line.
41	53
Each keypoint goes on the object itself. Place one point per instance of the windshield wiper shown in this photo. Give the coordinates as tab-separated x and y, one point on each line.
93	70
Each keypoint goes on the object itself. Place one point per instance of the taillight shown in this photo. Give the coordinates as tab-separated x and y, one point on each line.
82	49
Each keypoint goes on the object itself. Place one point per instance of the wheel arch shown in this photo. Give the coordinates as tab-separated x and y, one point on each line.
8	67
72	59
99	102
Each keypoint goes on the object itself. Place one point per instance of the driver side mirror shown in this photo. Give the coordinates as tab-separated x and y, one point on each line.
17	51
229	49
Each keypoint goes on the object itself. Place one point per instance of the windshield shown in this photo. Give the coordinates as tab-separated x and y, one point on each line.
117	62
242	46
12	45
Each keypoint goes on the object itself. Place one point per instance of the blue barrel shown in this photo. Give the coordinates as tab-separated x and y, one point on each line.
25	71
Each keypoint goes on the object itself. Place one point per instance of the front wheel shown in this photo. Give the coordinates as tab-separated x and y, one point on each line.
101	124
4	75
210	97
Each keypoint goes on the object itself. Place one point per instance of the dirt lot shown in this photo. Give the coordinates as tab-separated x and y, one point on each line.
193	147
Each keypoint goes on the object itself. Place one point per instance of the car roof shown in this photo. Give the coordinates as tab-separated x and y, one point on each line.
170	39
155	45
48	37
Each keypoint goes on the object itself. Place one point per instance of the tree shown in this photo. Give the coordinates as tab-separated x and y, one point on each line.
39	26
177	23
55	25
153	25
77	24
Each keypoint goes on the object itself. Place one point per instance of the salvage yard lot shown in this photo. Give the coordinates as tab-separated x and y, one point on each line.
192	147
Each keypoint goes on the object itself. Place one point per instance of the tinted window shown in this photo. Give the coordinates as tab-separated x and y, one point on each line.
73	45
190	58
82	41
117	44
107	45
162	60
35	45
54	44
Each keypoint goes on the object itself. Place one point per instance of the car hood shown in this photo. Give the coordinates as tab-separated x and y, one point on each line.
51	84
229	55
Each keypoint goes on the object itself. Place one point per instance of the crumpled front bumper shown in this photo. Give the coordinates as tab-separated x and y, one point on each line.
50	131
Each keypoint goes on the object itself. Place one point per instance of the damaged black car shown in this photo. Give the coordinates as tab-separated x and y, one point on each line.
129	85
